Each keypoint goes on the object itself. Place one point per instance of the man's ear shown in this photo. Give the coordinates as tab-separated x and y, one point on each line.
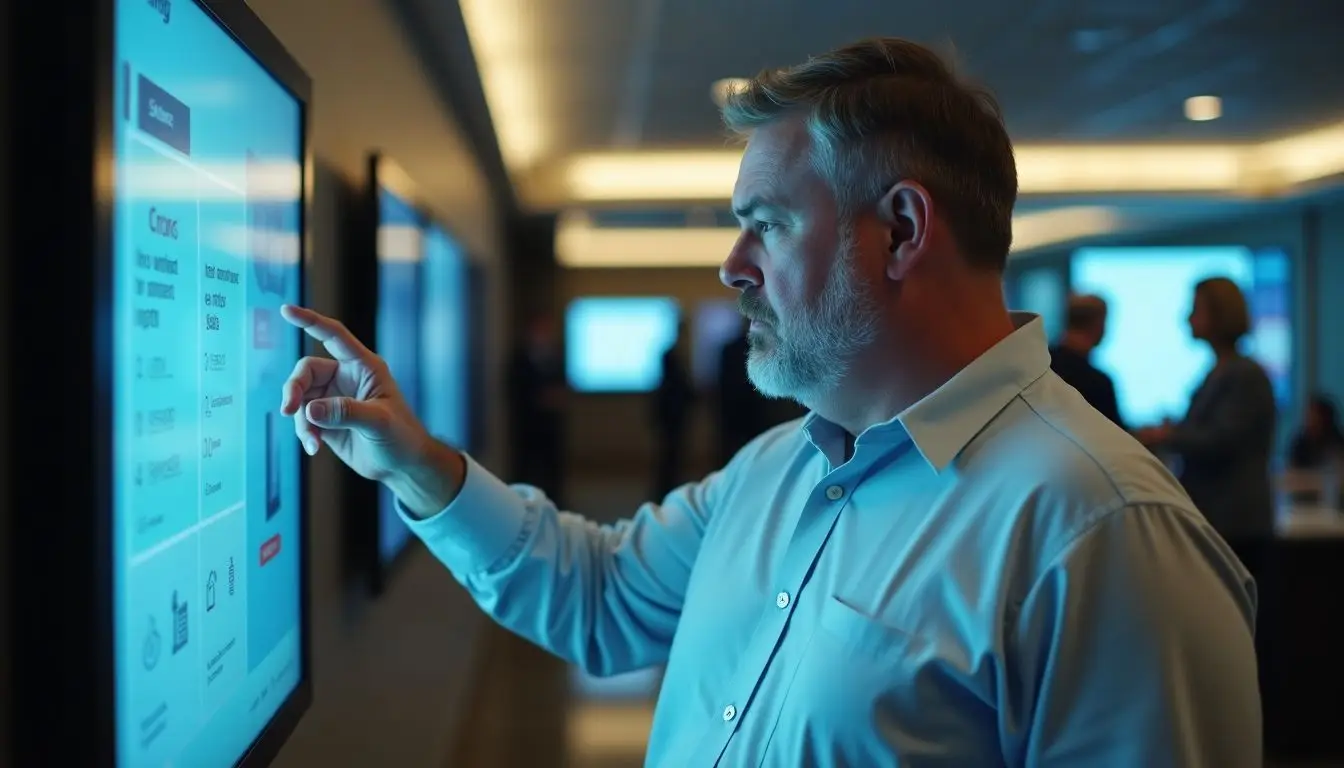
907	212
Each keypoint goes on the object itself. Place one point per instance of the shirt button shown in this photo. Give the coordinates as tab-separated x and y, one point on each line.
782	600
729	712
835	492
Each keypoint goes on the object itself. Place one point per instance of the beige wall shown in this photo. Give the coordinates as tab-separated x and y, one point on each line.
390	674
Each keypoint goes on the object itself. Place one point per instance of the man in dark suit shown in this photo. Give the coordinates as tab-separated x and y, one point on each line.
1071	358
742	410
537	397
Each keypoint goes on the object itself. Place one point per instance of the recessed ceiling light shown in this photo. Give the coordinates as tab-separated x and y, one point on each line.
722	88
1201	108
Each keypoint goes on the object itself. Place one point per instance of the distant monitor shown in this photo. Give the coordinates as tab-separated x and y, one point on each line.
616	343
444	342
715	324
1148	349
199	483
400	256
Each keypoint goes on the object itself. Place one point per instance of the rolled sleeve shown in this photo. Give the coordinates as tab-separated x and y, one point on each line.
487	525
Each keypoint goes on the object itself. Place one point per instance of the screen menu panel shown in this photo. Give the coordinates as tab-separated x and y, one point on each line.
206	498
400	257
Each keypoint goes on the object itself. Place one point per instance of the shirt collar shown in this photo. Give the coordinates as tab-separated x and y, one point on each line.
945	421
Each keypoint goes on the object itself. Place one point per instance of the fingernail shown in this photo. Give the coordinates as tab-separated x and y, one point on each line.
317	410
310	445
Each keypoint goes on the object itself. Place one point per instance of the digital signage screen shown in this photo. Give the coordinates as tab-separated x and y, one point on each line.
445	340
400	246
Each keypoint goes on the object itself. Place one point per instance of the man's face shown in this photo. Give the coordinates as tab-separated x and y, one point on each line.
806	281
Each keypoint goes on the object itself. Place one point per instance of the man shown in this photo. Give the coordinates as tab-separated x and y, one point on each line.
537	393
741	409
1071	359
670	409
952	561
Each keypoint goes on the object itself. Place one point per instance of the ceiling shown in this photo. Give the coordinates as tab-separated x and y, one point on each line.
572	80
637	73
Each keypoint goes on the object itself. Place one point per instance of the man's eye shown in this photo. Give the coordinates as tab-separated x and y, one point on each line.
763	226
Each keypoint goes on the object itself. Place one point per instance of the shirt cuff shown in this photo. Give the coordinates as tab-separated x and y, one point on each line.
480	527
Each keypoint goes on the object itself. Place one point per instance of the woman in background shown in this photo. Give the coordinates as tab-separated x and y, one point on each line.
1226	440
1321	438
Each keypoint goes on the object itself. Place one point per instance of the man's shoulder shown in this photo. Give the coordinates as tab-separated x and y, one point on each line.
1057	460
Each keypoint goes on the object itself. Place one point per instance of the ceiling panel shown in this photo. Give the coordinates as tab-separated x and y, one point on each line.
1071	71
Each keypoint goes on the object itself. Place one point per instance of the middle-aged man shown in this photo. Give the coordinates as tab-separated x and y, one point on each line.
952	561
1071	359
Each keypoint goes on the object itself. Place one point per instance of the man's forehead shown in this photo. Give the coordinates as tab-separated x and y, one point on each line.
775	153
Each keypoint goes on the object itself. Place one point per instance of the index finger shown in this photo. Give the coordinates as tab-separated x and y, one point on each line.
334	336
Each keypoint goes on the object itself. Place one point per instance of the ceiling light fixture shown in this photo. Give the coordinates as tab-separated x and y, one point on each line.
1202	108
723	88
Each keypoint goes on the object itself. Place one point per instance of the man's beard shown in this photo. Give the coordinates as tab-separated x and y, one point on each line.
811	353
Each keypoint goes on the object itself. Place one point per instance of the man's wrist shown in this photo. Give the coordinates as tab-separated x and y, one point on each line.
428	483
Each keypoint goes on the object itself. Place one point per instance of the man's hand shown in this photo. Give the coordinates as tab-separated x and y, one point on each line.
351	403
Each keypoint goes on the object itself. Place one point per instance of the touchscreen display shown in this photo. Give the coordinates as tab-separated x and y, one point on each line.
400	253
206	496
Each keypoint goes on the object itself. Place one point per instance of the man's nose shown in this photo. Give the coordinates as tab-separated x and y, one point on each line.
739	270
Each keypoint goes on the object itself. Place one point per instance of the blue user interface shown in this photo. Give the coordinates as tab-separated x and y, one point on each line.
400	256
206	498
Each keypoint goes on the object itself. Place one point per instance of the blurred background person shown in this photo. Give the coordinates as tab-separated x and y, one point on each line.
1226	441
1321	440
672	402
741	409
537	396
1071	359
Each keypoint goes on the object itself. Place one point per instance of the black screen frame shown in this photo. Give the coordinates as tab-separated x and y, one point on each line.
65	57
361	283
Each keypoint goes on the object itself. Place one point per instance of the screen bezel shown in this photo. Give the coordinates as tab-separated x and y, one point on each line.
68	670
361	287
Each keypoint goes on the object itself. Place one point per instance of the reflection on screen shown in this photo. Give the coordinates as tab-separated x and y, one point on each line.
444	342
716	324
1148	349
206	497
616	344
400	258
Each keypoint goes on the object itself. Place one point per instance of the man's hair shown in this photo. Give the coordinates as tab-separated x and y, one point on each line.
1229	315
1085	313
885	110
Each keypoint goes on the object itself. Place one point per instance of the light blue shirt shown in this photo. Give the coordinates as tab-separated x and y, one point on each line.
998	576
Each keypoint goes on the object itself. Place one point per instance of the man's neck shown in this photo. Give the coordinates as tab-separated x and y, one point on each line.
893	377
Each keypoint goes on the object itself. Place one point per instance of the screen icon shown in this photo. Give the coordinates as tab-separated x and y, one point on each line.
179	623
152	647
263	329
210	591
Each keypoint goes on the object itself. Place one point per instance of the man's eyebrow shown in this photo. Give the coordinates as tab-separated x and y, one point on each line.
752	206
